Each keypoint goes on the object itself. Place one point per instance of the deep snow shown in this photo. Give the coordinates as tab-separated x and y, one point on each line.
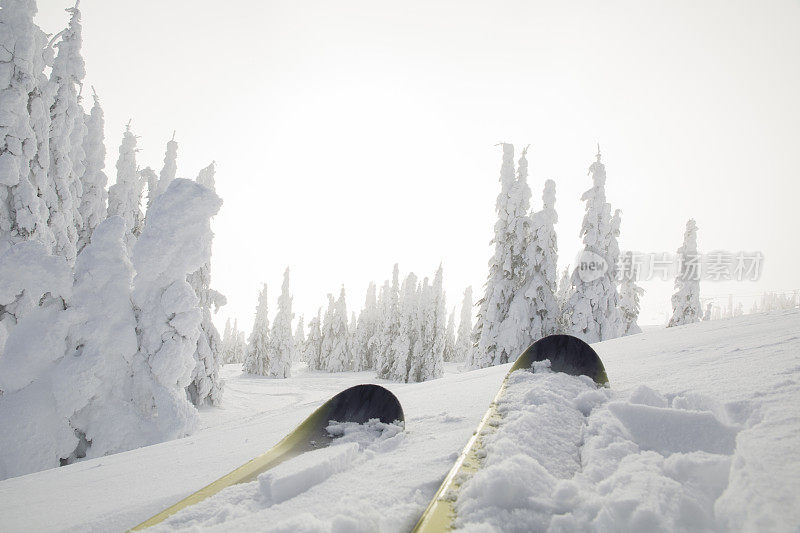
701	431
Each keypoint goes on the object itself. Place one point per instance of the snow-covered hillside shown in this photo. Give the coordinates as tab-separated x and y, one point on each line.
700	431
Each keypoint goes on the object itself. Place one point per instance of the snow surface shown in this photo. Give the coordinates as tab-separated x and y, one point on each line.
700	432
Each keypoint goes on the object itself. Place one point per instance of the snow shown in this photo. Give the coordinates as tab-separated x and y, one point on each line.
699	432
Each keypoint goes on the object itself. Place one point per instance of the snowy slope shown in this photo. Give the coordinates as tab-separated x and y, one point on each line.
700	431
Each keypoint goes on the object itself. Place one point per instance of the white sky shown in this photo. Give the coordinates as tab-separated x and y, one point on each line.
351	135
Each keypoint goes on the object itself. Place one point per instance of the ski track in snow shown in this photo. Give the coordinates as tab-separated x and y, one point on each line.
700	432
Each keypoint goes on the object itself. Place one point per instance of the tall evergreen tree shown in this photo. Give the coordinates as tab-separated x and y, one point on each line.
540	285
206	386
281	340
686	300
499	329
390	327
125	196
405	348
170	168
629	296
312	350
22	215
337	357
591	309
256	358
365	340
464	341
299	339
450	338
67	132
432	357
94	201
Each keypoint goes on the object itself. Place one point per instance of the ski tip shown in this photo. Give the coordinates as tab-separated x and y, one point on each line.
567	354
363	403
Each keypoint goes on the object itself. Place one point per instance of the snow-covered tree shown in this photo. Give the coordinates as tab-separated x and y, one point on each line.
365	341
352	347
686	300
175	241
149	179
125	196
450	337
630	294
299	339
29	274
540	285
388	326
23	215
405	349
337	354
94	202
67	132
431	365
281	341
464	341
256	359
170	168
499	329
79	377
591	312
312	350
227	343
206	386
328	334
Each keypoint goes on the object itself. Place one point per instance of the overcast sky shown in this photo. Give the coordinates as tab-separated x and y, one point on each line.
351	135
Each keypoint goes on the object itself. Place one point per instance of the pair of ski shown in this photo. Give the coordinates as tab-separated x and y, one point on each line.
362	403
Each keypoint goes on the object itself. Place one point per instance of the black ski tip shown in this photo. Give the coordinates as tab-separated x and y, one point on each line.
567	354
365	402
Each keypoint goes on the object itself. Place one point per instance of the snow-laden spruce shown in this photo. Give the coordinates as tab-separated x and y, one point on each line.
22	214
402	350
67	132
175	241
206	386
591	311
390	325
630	294
299	339
280	349
312	349
499	331
28	273
686	300
365	341
464	340
125	196
537	293
449	354
256	359
94	201
335	336
170	168
433	323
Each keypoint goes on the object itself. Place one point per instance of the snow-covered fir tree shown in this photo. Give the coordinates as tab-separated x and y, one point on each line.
540	285
227	343
686	300
562	298
312	349
206	386
327	333
499	330
255	361
464	340
367	329
175	241
450	337
170	168
336	340
94	202
281	341
67	132
22	213
352	347
389	326
404	349
432	303
630	294
299	339
125	196
591	312
150	180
